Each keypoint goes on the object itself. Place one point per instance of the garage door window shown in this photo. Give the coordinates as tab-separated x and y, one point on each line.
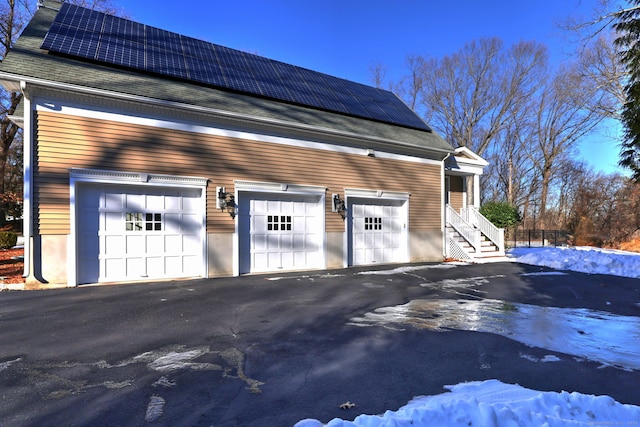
138	221
154	222
134	221
279	223
372	223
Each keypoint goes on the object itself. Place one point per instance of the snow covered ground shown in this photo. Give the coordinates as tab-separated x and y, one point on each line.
493	403
583	259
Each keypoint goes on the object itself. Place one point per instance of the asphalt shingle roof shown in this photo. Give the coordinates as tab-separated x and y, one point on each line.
27	59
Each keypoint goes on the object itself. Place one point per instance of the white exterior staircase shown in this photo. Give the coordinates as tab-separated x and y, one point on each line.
471	237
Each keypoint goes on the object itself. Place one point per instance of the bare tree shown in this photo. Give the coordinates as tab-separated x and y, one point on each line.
605	13
611	33
377	74
471	95
478	97
509	106
563	115
511	176
531	157
605	210
13	170
600	64
571	177
105	6
14	16
411	86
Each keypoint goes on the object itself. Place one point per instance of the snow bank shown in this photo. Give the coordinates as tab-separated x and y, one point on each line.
582	259
495	404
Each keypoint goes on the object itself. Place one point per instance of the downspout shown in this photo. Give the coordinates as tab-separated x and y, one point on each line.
443	207
27	214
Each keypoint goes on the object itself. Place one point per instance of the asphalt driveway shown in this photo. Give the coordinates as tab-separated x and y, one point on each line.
272	350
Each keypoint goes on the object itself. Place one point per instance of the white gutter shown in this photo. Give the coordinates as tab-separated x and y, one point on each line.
27	214
7	78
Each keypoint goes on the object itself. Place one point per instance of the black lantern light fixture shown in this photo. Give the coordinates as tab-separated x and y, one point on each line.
339	206
226	202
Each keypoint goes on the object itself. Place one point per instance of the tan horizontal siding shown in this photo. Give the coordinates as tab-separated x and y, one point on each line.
456	192
69	141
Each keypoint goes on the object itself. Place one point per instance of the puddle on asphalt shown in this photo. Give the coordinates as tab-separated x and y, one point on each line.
594	335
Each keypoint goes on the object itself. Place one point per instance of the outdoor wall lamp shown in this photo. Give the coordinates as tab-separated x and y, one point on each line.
226	201
339	206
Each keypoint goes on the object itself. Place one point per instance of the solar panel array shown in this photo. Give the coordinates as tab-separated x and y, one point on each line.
80	32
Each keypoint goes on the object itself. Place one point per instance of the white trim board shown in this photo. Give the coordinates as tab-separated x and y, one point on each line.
78	109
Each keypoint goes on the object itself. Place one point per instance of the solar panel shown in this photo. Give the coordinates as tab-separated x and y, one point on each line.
205	72
325	98
161	39
116	50
76	41
80	18
123	28
198	49
83	33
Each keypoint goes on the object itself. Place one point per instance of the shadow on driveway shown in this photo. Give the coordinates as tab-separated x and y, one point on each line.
272	350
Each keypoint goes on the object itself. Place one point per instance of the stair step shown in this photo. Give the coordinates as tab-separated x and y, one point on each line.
489	254
492	259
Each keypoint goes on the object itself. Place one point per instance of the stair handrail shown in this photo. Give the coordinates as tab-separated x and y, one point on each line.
466	230
493	233
469	215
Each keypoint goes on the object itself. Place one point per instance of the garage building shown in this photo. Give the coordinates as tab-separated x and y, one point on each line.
151	155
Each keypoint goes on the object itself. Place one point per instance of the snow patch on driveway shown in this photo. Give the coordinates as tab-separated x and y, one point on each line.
412	269
610	339
166	360
155	409
5	365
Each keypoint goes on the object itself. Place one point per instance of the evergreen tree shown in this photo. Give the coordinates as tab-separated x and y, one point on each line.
628	27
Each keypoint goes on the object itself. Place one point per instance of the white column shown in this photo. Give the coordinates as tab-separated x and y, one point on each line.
476	190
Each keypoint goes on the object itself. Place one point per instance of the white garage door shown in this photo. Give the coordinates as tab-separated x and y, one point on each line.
280	232
377	231
133	233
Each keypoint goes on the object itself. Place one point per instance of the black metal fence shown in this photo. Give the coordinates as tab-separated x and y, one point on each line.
533	238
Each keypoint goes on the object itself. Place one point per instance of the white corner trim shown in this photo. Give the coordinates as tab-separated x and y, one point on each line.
274	187
119	177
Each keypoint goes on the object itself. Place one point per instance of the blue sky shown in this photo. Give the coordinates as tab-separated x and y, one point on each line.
345	38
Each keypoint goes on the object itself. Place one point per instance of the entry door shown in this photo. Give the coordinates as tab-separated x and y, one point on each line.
377	231
280	232
133	233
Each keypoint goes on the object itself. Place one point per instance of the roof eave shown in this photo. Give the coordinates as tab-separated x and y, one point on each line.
472	158
15	82
18	120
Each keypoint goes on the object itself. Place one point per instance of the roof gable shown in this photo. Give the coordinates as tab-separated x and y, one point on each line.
83	33
465	154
